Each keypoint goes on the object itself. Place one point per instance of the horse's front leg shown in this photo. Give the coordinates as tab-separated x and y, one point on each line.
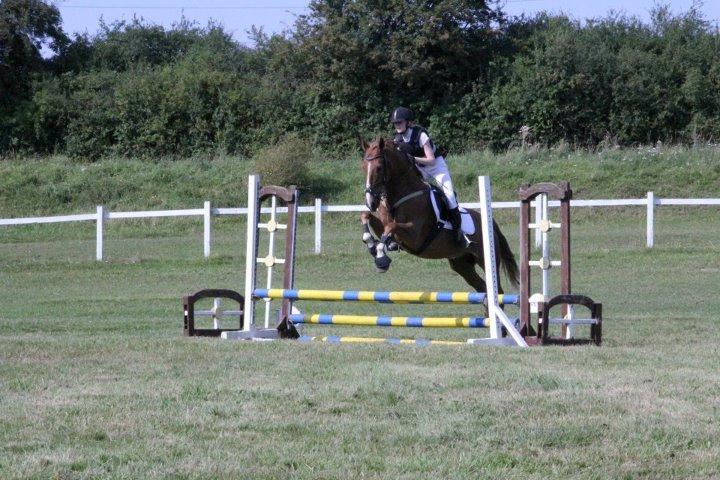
367	236
387	224
378	248
382	260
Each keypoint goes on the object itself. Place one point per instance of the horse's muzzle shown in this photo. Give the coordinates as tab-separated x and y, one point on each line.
372	201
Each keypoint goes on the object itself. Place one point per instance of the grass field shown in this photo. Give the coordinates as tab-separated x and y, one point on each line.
97	380
57	185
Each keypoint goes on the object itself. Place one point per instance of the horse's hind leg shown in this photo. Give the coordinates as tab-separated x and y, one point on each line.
479	259
497	276
465	267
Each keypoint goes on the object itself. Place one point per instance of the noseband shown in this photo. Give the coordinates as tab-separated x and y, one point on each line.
378	190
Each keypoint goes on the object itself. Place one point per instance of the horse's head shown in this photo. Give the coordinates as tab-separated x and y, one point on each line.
374	165
383	166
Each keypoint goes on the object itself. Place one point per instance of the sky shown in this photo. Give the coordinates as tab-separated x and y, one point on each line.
277	15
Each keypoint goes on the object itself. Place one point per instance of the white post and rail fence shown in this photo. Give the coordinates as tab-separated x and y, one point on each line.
101	216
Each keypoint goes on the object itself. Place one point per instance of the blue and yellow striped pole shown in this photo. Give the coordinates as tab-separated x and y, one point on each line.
420	342
382	297
381	321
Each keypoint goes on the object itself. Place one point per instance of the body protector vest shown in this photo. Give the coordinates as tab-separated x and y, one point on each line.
413	146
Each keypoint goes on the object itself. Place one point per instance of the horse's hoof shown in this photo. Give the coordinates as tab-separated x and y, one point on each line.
382	263
372	250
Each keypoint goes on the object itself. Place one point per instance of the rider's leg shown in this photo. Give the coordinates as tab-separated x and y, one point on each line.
444	180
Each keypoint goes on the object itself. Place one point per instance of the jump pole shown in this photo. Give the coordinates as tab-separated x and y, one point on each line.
497	317
253	215
474	298
497	320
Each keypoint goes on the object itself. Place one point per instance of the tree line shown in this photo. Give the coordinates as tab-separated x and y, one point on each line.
474	75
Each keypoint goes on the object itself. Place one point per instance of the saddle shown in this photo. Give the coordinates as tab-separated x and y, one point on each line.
440	203
442	211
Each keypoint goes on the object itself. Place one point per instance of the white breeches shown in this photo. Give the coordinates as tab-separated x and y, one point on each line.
439	171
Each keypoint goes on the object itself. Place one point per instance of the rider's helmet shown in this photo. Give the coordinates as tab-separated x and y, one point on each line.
402	113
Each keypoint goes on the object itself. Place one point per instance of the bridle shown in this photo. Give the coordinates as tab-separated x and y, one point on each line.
378	190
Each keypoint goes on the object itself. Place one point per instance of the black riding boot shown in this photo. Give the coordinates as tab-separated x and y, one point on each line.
456	222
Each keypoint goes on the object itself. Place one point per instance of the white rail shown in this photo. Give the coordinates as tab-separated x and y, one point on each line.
101	216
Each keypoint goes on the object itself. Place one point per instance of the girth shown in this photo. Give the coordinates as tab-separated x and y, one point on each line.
431	235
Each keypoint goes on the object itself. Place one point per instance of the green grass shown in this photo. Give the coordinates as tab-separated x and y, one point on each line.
96	379
54	186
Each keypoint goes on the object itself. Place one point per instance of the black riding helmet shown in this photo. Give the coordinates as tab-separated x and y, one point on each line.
402	113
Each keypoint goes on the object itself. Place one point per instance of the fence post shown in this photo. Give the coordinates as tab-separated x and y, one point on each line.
99	226
650	233
318	226
207	234
540	210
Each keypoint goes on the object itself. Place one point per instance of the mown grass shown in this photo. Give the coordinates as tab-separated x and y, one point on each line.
97	380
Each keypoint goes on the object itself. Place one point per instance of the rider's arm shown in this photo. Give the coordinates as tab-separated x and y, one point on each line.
429	157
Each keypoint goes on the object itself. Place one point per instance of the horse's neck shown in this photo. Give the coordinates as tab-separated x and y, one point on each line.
410	183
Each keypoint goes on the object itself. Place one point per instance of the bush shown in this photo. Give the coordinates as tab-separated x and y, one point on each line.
286	162
473	76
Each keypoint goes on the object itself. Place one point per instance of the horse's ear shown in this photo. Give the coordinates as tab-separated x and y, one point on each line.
381	143
363	144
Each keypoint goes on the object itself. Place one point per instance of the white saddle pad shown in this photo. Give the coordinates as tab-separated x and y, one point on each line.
468	226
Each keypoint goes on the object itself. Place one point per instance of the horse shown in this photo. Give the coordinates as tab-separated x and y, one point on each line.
400	208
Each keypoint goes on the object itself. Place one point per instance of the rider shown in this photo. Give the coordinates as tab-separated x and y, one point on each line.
414	141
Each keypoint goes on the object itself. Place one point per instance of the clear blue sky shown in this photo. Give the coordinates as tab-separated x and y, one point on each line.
277	15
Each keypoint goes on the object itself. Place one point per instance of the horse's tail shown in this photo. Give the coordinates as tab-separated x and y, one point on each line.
506	257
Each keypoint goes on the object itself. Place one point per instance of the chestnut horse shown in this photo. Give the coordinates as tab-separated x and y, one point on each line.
400	203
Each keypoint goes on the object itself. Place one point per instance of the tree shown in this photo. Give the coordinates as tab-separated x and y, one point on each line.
25	27
369	55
